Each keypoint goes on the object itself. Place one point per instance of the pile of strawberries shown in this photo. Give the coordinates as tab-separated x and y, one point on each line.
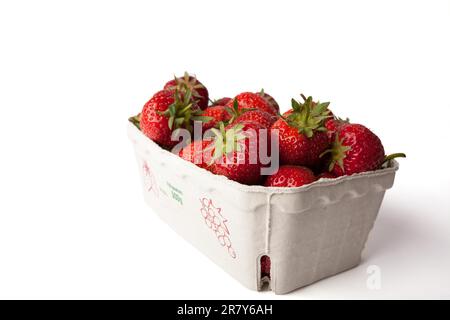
312	142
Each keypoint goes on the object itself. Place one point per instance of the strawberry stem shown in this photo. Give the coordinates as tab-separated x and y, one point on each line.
393	156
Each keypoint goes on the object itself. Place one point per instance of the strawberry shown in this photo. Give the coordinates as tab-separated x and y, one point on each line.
236	152
199	93
269	100
332	125
355	149
221	102
290	176
197	153
216	114
165	112
261	117
249	100
301	132
265	266
155	125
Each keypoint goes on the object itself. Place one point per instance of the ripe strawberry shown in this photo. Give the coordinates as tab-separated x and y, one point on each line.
269	99
235	152
301	132
261	117
249	100
265	266
355	149
198	91
332	125
165	112
221	102
198	153
290	176
216	114
155	125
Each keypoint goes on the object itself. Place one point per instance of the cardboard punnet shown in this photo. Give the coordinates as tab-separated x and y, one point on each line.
309	233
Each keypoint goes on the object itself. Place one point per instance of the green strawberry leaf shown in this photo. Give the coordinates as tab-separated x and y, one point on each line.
136	120
202	118
170	123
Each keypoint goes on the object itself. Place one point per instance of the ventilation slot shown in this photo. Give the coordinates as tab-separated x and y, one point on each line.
265	272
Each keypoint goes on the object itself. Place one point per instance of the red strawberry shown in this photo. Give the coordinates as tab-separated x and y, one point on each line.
269	99
216	113
198	153
236	152
265	266
221	102
235	115
332	125
249	100
302	136
326	175
355	149
165	112
155	125
187	82
290	176
261	117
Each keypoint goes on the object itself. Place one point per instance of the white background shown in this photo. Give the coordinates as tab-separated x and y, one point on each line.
73	223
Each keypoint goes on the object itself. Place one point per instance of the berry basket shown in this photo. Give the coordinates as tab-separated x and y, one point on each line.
308	233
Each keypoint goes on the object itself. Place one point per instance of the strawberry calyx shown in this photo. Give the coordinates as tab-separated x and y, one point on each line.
261	92
338	153
343	121
226	141
235	112
136	120
181	112
187	82
340	120
309	116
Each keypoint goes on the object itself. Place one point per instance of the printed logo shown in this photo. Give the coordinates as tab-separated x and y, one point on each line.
176	193
149	180
218	224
